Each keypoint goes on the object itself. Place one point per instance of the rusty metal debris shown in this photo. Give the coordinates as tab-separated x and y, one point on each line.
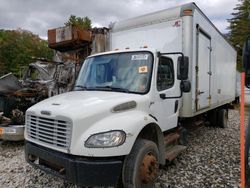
4	120
49	78
100	38
81	42
43	79
9	83
68	38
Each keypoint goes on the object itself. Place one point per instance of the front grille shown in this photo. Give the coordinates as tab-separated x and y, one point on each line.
54	132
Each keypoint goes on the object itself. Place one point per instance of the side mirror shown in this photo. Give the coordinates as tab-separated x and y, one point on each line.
182	68
246	61
185	86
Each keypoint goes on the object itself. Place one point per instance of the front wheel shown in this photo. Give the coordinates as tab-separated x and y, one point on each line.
141	167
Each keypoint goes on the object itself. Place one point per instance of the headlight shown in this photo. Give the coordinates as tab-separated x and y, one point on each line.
106	139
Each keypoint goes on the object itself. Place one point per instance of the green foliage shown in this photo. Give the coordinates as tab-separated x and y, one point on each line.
18	47
240	28
84	23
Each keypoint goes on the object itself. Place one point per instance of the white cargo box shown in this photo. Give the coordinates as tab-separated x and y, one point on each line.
186	29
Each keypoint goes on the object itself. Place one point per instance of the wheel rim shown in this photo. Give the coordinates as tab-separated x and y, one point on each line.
149	168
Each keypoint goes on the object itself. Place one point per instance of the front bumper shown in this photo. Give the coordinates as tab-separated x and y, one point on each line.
75	169
12	133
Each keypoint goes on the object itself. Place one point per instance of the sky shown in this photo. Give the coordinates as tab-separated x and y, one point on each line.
38	16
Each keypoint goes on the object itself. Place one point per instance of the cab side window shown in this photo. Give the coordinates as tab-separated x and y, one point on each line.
165	74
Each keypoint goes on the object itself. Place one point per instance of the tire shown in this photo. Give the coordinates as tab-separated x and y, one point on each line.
247	150
141	168
222	118
212	117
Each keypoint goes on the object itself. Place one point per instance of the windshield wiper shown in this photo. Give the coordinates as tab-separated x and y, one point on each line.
110	88
105	88
120	89
82	88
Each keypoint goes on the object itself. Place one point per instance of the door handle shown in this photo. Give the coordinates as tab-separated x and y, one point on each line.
176	106
200	92
163	96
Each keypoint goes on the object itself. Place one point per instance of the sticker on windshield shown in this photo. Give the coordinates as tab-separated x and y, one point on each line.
139	57
143	69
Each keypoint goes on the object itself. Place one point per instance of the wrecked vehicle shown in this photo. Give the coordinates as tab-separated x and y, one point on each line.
42	79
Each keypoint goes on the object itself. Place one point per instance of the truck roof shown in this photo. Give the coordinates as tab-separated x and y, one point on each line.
151	18
160	16
125	50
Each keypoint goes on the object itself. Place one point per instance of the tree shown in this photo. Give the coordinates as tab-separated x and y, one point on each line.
17	49
239	27
84	23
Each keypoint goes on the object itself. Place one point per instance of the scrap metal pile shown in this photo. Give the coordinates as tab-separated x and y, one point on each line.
43	79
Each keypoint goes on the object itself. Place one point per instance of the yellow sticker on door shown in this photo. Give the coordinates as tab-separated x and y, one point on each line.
143	69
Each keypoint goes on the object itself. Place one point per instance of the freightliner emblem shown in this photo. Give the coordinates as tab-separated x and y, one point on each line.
46	113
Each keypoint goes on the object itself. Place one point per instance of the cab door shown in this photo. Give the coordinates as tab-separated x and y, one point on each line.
166	105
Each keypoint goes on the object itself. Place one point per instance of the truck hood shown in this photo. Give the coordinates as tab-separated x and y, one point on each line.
89	112
82	104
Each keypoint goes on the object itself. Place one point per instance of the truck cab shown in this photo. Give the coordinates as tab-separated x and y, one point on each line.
119	97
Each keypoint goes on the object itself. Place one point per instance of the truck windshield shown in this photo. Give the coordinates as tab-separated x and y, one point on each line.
122	72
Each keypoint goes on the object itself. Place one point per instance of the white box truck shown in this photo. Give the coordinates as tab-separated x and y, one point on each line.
124	117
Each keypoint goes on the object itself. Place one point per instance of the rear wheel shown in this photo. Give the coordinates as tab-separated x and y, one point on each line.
222	117
212	117
141	167
218	117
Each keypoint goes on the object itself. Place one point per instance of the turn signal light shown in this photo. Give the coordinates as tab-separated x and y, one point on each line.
187	11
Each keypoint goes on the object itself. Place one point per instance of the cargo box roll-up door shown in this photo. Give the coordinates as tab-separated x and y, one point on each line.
203	69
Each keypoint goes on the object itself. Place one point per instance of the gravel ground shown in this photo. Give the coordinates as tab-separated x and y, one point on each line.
211	160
